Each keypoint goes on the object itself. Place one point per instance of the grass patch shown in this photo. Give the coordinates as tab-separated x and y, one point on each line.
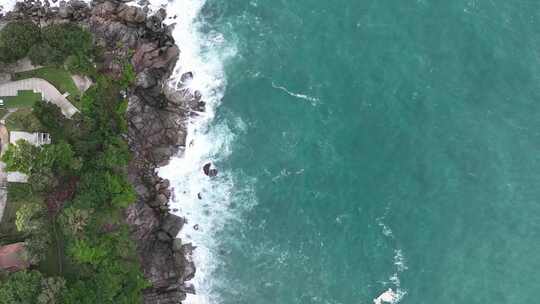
23	120
58	77
18	194
24	99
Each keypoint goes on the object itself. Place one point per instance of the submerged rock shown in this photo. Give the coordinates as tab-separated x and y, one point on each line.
206	168
209	171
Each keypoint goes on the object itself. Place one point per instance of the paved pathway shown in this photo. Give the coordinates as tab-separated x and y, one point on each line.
4	141
47	90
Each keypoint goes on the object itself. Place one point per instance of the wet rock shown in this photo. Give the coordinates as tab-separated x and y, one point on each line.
186	77
206	168
213	172
188	288
201	106
209	171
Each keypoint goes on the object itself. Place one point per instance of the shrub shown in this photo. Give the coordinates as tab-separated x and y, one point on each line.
16	39
21	288
68	39
44	54
51	290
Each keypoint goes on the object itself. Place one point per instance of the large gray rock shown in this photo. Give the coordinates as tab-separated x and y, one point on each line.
131	14
172	224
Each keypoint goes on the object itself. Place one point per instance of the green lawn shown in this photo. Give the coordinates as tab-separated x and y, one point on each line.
22	100
58	77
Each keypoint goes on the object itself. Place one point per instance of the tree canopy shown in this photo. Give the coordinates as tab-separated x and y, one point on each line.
16	39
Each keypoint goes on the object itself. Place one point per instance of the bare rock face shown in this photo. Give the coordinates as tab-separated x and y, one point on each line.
131	14
151	55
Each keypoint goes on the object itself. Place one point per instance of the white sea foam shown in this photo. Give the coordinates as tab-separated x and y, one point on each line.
392	296
204	55
313	100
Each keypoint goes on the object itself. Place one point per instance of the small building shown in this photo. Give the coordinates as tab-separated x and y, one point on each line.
14	257
36	139
17	177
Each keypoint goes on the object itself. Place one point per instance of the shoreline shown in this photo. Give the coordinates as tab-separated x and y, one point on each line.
157	115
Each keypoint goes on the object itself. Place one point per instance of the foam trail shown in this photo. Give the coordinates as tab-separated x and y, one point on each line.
203	54
313	100
392	296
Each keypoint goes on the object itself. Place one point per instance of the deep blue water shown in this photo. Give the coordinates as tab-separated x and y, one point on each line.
387	144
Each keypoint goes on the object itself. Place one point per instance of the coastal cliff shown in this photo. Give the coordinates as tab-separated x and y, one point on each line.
156	118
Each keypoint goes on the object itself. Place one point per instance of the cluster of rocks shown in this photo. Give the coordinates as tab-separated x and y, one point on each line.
156	116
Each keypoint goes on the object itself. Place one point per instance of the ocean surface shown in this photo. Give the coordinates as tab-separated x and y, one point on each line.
361	146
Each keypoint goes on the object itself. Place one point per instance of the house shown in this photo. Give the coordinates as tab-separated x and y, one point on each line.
36	139
14	257
17	177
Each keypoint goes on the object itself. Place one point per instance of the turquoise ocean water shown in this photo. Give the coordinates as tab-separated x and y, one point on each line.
372	145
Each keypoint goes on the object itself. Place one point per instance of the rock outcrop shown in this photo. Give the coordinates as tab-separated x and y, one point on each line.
156	116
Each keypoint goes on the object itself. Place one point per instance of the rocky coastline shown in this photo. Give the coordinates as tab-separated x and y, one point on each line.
156	117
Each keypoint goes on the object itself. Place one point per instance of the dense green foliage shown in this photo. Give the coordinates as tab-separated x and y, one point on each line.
30	287
81	180
56	45
97	242
21	288
16	39
23	120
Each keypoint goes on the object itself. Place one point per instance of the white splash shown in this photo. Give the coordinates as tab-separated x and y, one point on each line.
392	296
204	201
313	100
388	296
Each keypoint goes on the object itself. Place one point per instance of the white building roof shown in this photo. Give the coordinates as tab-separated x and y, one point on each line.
36	139
17	177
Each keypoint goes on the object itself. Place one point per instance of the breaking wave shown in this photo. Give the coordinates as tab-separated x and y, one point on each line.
205	202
